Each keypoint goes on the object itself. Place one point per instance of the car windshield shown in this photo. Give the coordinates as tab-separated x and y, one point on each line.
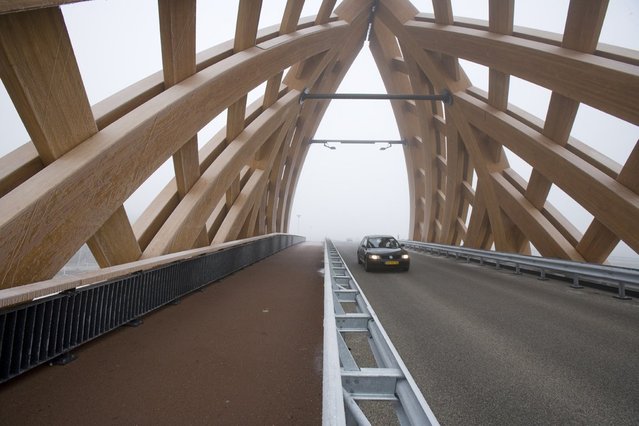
382	242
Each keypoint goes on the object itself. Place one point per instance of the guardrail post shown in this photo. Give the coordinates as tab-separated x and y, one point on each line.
575	282
595	273
343	387
622	292
542	275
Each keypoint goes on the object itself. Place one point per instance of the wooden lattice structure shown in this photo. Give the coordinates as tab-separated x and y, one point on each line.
68	185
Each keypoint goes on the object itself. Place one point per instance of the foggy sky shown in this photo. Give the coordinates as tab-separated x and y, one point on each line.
353	190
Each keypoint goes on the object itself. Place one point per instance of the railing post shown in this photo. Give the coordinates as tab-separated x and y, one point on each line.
575	282
542	275
609	275
343	386
622	292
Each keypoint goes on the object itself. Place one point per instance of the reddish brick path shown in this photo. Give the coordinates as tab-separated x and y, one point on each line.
246	350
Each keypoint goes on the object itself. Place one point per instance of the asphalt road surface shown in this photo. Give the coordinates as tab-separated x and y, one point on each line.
488	347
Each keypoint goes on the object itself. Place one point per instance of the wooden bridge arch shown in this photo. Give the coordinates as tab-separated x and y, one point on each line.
68	184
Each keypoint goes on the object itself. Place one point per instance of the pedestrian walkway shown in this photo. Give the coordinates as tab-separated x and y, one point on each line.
246	350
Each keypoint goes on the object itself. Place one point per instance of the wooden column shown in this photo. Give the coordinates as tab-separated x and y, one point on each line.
248	17
39	70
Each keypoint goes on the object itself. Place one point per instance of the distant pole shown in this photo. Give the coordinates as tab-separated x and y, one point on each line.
298	224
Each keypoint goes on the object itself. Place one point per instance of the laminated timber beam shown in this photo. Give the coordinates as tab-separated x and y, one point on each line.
332	68
49	95
24	162
385	49
183	226
397	15
177	31
248	17
7	6
604	84
116	160
68	185
252	191
612	203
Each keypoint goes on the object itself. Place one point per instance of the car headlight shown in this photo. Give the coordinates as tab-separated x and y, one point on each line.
404	256
373	257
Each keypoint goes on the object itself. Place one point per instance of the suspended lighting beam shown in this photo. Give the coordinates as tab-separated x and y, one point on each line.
388	143
359	141
445	97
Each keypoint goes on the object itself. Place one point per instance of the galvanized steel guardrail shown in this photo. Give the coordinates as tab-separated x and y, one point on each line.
608	275
344	382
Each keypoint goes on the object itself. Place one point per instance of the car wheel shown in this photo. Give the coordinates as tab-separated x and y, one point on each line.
366	267
359	261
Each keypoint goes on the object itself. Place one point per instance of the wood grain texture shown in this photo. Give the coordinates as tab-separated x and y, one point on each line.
178	111
18	166
41	75
583	26
177	30
44	81
183	226
248	17
501	16
67	186
610	202
332	68
241	218
604	84
475	144
385	49
598	240
7	6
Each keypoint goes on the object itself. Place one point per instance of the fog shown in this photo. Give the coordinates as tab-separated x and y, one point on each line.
352	190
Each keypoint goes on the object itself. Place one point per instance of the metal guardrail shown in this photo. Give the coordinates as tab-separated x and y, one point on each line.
47	329
613	276
344	382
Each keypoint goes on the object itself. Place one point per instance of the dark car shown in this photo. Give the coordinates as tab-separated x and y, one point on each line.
382	251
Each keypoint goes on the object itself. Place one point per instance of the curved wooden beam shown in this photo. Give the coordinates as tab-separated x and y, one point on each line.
612	203
68	186
386	53
332	70
605	84
183	226
111	161
395	14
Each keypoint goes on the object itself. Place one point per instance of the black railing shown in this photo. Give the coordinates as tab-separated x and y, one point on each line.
49	328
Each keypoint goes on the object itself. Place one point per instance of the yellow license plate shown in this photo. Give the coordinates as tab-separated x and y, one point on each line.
391	262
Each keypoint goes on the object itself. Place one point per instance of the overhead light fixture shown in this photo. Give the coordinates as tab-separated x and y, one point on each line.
328	146
358	142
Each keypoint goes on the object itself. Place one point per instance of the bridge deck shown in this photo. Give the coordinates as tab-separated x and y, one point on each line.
246	350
